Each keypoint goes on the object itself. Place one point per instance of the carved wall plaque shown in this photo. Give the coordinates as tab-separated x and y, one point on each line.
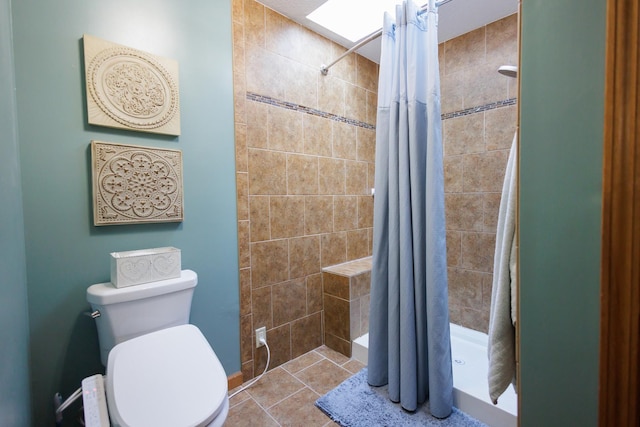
133	184
130	89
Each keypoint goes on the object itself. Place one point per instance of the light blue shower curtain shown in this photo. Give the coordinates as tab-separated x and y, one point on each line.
409	341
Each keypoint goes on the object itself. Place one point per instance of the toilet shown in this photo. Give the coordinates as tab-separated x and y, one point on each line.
161	371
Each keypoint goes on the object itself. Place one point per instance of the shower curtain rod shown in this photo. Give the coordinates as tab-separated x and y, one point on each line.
324	69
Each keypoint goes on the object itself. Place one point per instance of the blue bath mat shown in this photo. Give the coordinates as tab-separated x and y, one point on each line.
354	403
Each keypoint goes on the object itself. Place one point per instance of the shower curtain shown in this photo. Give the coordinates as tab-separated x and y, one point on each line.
409	341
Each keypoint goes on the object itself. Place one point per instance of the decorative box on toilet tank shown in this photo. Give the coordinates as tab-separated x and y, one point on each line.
143	266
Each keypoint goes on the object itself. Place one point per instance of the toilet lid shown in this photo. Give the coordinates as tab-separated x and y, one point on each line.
170	377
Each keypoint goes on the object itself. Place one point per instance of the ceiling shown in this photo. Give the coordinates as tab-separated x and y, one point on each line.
455	18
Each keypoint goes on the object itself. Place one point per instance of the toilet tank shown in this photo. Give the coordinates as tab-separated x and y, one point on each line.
129	312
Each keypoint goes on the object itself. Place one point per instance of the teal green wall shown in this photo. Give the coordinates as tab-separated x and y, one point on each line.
65	253
14	332
562	98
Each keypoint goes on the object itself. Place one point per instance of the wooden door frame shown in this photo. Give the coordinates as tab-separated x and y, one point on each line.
619	392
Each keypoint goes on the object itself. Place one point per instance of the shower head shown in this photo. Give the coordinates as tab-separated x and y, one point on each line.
508	70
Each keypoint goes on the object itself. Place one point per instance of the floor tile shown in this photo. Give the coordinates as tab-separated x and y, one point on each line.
302	362
238	398
274	386
353	366
249	414
299	410
332	355
323	376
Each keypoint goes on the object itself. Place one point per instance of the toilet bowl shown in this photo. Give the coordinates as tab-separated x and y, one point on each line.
161	371
169	378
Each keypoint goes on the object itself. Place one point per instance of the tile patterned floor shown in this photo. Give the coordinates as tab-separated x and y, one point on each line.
285	396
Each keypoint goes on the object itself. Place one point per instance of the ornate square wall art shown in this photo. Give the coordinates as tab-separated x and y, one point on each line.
133	184
130	89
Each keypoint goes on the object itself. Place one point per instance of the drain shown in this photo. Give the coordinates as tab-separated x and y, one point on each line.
458	361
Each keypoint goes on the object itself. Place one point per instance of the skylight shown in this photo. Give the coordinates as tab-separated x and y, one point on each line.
352	19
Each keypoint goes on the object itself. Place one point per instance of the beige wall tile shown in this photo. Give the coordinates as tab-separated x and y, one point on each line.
356	178
239	106
244	253
454	248
500	127
289	301
280	341
453	167
286	216
465	288
502	41
254	22
259	218
365	303
463	135
345	69
337	318
318	214
344	141
237	10
304	258
340	345
355	103
246	338
367	74
306	334
466	51
354	319
366	144
295	42
264	71
357	244
477	251
372	108
261	308
269	263
331	95
365	211
302	174
333	248
242	195
487	284
371	176
267	172
483	85
284	129
317	135
336	285
303	84
314	293
464	211
345	210
256	125
452	91
331	175
241	148
485	171
245	291
360	285
491	209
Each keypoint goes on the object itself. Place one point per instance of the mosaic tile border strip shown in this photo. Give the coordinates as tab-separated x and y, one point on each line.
314	112
301	108
481	108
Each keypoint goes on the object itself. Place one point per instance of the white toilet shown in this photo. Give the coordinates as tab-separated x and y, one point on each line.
161	371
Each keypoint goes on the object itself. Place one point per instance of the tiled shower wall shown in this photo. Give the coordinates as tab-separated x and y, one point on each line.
479	112
305	149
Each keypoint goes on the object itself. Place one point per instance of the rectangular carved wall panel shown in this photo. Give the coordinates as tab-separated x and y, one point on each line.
133	184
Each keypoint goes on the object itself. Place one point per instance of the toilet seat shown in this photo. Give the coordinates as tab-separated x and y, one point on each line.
169	377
